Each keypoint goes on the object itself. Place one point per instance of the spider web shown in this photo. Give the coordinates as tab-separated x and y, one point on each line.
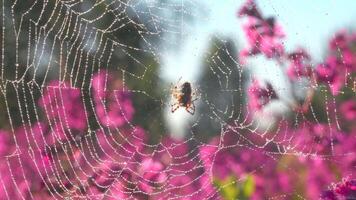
93	48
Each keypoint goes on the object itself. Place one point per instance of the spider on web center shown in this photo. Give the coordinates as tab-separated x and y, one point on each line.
184	96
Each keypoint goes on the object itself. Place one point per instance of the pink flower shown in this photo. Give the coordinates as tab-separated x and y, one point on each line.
349	59
183	186
8	188
135	139
126	142
347	188
339	41
55	134
4	143
112	102
207	154
24	172
316	179
116	191
31	136
152	173
263	34
63	104
312	138
264	37
260	96
299	64
341	191
328	195
249	9
340	64
348	109
346	144
331	75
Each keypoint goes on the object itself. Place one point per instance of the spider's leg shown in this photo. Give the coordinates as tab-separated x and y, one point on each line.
191	109
196	98
174	107
175	87
196	95
172	87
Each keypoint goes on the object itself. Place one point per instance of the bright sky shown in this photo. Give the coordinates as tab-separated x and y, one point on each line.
308	24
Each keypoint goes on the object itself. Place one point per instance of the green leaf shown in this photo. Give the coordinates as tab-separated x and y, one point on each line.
249	186
231	189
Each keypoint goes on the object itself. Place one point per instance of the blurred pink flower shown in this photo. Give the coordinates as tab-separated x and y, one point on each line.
249	8
152	173
31	136
345	190
340	63
299	64
330	74
263	34
207	154
349	59
63	104
339	41
317	179
259	96
112	102
348	110
5	144
116	191
55	134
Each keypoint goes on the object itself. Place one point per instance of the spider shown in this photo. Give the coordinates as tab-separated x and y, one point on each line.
184	97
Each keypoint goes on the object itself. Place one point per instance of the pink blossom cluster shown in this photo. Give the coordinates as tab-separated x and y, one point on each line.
62	104
299	64
263	34
340	65
52	157
62	156
260	96
343	190
309	145
112	101
298	157
337	71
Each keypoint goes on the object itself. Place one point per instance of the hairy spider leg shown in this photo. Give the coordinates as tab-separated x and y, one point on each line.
174	91
180	78
196	94
174	87
192	109
174	107
196	98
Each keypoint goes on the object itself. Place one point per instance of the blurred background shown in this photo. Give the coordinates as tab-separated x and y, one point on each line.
149	45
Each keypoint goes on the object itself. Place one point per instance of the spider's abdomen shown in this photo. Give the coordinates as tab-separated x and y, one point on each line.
186	91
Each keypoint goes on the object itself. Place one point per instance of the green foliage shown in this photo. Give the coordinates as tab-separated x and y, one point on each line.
221	84
232	189
148	102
